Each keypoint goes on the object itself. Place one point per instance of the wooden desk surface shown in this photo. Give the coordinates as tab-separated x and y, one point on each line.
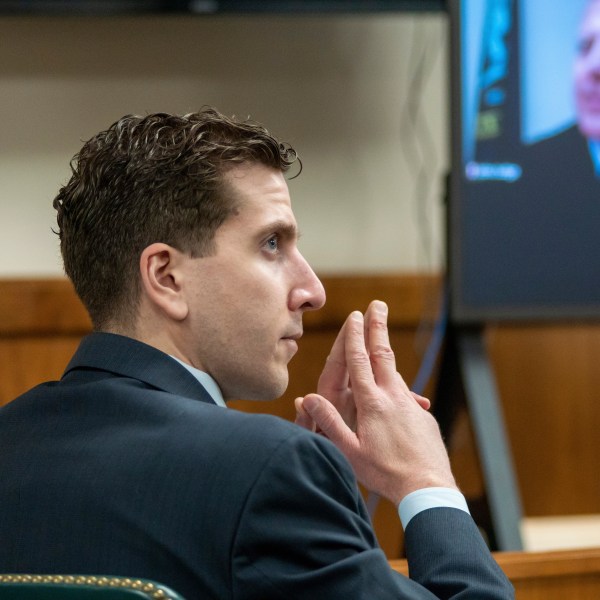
561	575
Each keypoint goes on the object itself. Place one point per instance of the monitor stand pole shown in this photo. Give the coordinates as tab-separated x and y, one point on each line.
466	379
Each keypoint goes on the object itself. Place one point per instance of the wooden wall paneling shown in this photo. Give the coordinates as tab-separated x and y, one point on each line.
549	381
40	307
41	323
29	360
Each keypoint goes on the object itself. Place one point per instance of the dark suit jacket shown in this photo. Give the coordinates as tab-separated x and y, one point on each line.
127	467
564	213
537	238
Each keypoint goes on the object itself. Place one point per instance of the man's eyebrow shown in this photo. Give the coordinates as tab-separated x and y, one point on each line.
285	229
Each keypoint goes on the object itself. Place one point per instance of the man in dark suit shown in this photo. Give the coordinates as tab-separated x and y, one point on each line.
179	237
537	237
587	73
555	206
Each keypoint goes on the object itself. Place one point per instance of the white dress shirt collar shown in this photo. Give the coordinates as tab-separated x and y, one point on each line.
207	382
594	146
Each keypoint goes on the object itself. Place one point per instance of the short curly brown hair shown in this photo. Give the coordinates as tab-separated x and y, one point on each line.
157	178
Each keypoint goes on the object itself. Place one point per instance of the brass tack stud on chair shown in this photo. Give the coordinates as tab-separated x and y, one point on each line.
24	586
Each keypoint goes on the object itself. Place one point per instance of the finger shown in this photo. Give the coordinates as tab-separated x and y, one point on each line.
329	421
367	318
334	377
379	347
303	419
357	359
423	402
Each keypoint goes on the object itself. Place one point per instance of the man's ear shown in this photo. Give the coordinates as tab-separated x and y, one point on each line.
162	278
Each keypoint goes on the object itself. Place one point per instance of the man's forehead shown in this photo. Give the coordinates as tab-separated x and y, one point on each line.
266	215
260	195
247	176
591	15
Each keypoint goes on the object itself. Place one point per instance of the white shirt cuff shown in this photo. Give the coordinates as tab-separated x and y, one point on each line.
433	497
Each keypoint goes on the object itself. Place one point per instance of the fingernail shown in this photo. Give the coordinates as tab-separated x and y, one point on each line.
381	307
310	403
357	316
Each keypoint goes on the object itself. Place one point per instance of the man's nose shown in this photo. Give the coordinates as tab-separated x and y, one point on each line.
309	293
593	58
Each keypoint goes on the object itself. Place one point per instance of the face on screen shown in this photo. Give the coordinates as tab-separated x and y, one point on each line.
587	72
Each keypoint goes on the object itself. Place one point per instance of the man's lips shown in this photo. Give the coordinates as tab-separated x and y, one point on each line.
293	336
292	340
591	100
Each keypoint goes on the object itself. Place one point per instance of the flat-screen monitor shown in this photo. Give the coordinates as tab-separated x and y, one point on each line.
524	202
207	7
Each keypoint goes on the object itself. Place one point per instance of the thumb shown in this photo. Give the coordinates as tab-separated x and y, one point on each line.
423	402
328	420
302	417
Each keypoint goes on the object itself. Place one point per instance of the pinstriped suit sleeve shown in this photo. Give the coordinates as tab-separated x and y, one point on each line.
305	533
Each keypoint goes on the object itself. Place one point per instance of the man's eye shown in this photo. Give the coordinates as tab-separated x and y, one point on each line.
585	45
273	243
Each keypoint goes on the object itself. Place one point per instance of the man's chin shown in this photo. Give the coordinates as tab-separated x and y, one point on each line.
265	391
590	127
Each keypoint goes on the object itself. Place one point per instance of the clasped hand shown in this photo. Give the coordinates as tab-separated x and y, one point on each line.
366	409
